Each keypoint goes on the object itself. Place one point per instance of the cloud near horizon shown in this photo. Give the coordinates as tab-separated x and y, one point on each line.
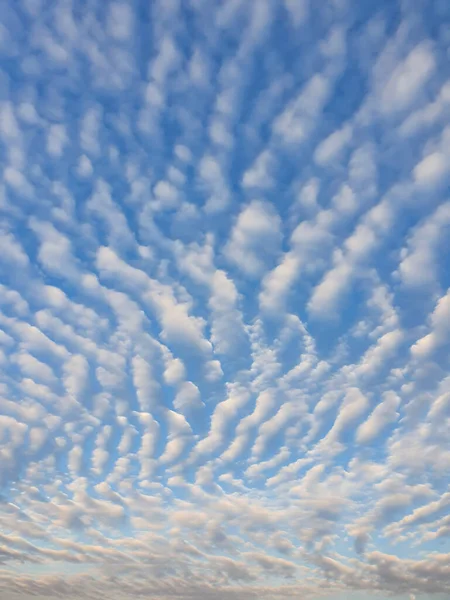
224	300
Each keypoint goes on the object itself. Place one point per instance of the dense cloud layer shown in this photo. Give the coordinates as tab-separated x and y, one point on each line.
224	299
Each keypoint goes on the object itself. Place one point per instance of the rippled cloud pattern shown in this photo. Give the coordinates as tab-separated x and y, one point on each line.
225	299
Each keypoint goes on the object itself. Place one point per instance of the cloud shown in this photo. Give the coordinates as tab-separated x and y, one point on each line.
431	169
298	11
198	261
212	177
55	252
296	122
120	21
147	388
224	412
330	149
258	176
174	372
76	371
383	414
187	397
12	251
255	238
224	300
103	207
353	406
34	368
408	78
428	115
419	258
440	329
357	249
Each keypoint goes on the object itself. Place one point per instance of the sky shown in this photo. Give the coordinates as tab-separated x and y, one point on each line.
225	299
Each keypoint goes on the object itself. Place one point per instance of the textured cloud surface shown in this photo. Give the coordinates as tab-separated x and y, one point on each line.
225	299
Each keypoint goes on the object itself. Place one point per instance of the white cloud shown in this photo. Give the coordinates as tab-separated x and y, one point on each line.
307	197
383	414
34	339
440	329
267	430
12	251
354	405
75	458
408	79
259	174
76	371
56	140
55	251
183	153
103	207
331	148
277	283
167	195
120	21
428	115
177	325
265	402
180	434
225	411
34	368
149	438
175	371
298	10
213	370
311	242
187	397
357	248
100	454
296	122
431	169
213	179
147	389
378	354
255	238
419	258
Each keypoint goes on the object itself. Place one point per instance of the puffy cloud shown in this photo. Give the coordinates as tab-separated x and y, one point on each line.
440	329
144	382
419	259
76	371
187	397
296	122
174	372
354	405
431	169
330	149
255	238
34	368
357	249
383	414
180	434
55	252
213	179
259	174
12	252
225	411
408	79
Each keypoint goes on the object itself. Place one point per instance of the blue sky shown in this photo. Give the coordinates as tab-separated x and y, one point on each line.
225	299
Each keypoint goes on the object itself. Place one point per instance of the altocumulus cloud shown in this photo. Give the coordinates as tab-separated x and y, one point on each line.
224	299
